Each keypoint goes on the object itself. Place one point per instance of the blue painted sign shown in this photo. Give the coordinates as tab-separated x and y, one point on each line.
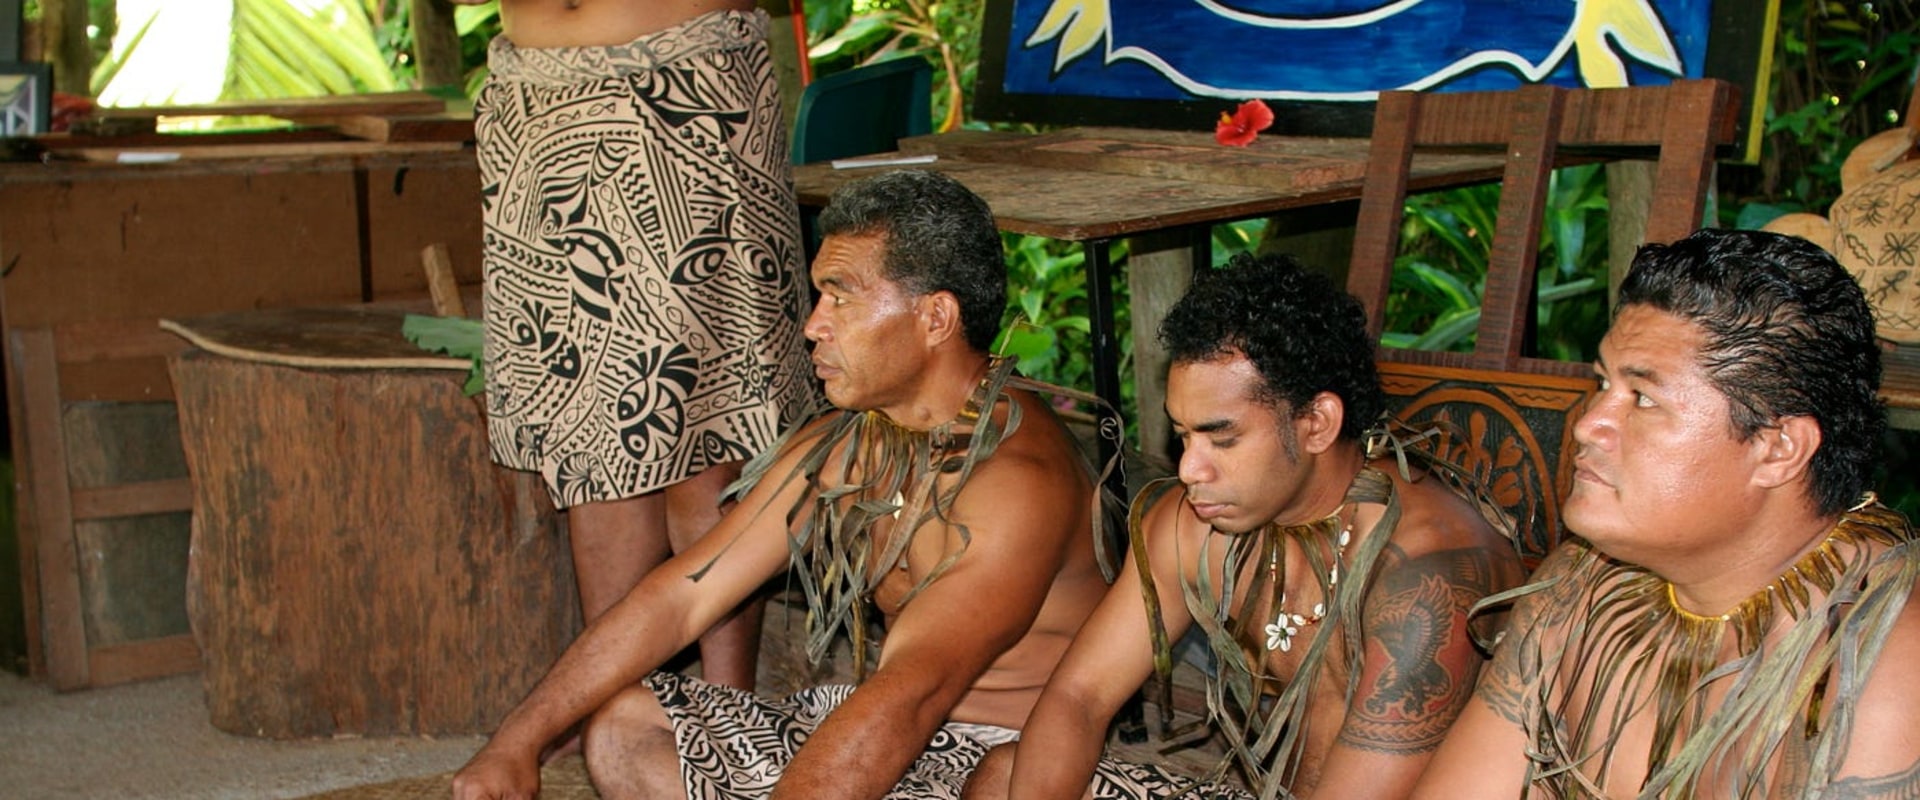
1345	50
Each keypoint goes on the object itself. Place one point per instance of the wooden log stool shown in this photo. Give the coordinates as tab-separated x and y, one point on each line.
358	565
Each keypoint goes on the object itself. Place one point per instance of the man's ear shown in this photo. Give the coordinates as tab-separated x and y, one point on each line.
1319	427
1786	450
940	318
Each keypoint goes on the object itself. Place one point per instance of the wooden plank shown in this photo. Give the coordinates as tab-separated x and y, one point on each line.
1508	301
143	660
253	151
134	380
1286	165
1630	118
130	499
410	206
113	340
1382	206
173	241
1159	270
25	513
451	126
59	142
336	337
64	631
447	301
409	102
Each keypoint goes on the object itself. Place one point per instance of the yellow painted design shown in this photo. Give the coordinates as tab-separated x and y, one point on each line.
1633	27
1078	24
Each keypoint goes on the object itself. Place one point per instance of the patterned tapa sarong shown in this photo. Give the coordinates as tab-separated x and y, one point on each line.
734	744
644	289
1126	780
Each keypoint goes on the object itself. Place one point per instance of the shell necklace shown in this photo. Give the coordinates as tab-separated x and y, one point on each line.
1286	624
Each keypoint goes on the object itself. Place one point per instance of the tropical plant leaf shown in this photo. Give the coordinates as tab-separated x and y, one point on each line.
455	336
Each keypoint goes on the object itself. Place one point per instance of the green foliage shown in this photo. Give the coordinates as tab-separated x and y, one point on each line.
1440	278
455	336
847	33
476	25
282	50
276	48
1842	72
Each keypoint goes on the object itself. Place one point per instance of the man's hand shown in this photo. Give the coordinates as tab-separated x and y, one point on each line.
497	776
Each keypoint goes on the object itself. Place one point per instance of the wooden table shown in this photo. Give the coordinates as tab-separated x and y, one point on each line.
1097	185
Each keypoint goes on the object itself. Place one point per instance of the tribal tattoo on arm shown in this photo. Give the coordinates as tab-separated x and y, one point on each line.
1421	661
1902	785
1518	658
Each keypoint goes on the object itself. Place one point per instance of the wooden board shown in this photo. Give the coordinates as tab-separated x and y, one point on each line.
1292	165
443	127
346	337
1102	183
294	107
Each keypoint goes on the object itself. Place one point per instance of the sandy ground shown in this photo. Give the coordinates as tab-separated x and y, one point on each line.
152	740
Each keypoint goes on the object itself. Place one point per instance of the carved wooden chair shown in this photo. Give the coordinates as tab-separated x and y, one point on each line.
1510	413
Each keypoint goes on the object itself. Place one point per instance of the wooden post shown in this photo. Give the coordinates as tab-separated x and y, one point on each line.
63	37
436	44
1159	269
1320	236
1629	197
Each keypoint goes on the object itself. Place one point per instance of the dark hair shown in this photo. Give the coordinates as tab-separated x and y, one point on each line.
1302	333
940	237
1788	333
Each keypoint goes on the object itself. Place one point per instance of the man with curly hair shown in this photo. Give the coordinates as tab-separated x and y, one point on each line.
1332	580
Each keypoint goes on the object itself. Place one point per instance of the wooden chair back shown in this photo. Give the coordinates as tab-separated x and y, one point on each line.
1511	412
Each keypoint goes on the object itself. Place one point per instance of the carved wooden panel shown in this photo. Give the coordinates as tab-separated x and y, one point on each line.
1513	431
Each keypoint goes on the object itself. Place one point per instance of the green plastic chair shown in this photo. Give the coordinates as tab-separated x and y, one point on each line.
863	110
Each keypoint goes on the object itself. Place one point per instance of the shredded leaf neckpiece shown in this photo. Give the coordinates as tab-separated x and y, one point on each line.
861	468
1793	694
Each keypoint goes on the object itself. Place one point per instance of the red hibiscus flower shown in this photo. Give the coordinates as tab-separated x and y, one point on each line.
1239	128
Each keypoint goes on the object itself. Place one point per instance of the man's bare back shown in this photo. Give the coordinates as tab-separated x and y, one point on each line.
590	23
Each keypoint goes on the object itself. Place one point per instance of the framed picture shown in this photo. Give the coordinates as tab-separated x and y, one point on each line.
1320	63
26	98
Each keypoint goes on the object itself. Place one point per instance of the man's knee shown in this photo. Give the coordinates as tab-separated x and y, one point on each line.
990	778
627	734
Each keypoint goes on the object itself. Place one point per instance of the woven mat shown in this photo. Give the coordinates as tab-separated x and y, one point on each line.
564	778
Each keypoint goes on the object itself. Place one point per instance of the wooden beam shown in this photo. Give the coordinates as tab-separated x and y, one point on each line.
133	499
63	38
64	633
436	44
139	661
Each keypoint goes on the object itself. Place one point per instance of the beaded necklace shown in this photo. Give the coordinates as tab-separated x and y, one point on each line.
1287	625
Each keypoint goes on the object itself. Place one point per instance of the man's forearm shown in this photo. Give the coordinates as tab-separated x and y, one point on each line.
867	744
1058	752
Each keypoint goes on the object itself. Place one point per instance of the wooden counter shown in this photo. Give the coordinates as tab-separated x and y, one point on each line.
94	255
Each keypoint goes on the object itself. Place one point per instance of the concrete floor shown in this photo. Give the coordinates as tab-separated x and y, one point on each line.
152	740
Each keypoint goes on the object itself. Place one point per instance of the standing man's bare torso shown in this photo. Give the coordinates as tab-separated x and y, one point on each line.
590	23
